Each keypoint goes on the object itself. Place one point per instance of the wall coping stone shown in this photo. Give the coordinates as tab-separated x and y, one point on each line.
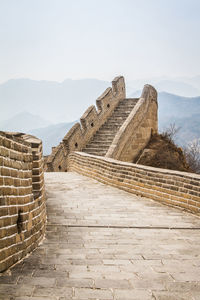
141	167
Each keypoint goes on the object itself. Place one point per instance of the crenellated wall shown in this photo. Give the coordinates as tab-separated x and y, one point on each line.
135	133
169	187
79	135
22	197
131	138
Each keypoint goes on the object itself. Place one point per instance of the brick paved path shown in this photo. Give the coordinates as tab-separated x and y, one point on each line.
103	243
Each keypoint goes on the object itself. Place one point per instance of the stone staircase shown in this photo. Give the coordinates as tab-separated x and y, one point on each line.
103	138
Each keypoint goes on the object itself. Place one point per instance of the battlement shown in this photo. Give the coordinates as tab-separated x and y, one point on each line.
93	118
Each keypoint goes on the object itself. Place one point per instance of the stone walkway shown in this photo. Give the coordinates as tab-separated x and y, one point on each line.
103	243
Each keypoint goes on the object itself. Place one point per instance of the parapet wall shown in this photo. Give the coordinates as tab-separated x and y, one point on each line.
135	133
81	133
169	187
22	198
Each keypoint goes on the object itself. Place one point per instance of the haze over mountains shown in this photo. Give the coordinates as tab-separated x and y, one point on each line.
183	86
51	135
48	109
52	101
23	122
184	112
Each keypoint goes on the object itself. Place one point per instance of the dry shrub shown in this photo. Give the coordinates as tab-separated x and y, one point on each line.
192	154
162	152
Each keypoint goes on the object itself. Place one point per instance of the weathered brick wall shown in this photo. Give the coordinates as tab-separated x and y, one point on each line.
170	187
79	135
22	198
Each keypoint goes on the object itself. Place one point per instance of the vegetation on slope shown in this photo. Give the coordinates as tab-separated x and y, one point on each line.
161	152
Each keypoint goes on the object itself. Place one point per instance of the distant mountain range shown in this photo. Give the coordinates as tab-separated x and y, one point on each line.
51	135
23	122
67	101
48	109
53	101
186	87
182	111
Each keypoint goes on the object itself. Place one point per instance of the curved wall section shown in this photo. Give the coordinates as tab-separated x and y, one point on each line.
22	198
136	131
169	187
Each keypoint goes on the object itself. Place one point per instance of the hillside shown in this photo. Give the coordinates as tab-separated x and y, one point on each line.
161	152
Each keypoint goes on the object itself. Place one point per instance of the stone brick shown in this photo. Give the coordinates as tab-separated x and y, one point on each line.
16	189
82	293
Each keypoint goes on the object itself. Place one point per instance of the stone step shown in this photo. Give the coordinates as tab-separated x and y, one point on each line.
103	138
107	141
114	120
120	113
97	149
95	144
124	107
129	105
107	133
95	152
98	146
122	110
112	126
100	142
113	123
126	103
117	117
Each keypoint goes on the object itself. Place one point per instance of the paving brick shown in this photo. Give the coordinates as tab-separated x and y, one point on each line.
48	292
75	282
107	263
92	294
165	295
114	283
132	294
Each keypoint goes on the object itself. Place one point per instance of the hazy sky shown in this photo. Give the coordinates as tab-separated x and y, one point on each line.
58	39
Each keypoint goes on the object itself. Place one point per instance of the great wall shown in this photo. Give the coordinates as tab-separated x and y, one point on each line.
104	146
120	128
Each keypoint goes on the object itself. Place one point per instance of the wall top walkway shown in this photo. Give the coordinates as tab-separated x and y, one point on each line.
104	243
170	187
